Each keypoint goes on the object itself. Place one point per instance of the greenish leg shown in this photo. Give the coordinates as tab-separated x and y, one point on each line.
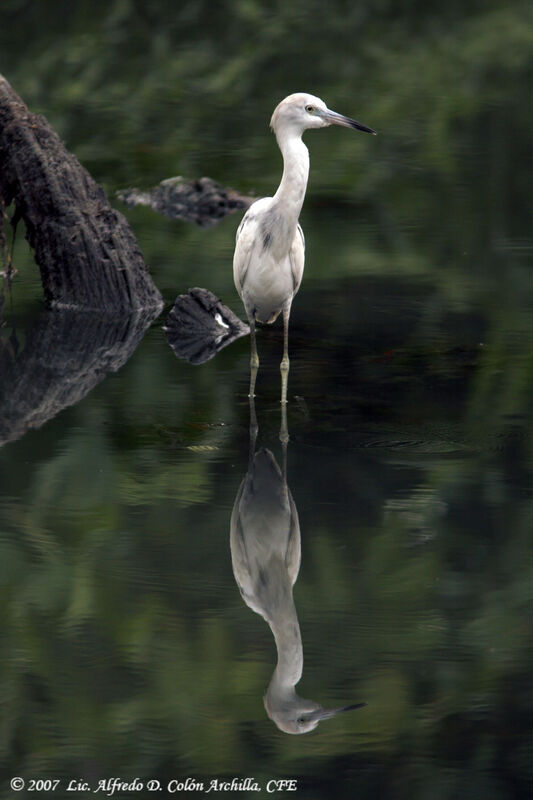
284	366
284	435
254	428
254	358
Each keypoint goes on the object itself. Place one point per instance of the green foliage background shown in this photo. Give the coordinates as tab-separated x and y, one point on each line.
126	647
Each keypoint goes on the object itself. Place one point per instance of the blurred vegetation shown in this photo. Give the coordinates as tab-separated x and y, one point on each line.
127	649
143	91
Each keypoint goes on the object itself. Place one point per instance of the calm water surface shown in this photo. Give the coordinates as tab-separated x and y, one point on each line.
128	649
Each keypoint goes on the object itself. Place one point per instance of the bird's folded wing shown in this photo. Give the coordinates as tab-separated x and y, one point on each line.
294	552
297	258
247	240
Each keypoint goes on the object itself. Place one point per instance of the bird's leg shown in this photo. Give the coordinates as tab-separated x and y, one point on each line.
284	366
254	358
254	428
284	436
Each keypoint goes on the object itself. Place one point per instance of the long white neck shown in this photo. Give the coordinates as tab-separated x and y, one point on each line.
281	698
286	630
290	195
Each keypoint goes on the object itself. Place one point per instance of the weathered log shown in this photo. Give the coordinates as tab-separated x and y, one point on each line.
202	201
86	251
66	354
199	325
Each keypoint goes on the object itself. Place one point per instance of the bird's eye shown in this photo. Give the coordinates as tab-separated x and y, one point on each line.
310	109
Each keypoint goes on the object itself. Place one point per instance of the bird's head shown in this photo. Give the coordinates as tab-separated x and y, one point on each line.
299	715
300	112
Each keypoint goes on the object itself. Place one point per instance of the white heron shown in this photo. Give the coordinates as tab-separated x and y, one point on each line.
270	248
265	555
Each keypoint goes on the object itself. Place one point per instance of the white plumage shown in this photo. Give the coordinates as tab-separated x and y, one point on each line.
265	554
269	255
268	269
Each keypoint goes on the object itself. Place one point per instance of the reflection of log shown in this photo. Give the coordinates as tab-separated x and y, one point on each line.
66	354
86	251
199	325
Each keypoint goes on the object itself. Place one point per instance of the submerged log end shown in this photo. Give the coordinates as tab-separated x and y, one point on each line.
199	325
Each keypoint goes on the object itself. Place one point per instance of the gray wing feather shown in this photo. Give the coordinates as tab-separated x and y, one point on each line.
297	258
293	554
246	240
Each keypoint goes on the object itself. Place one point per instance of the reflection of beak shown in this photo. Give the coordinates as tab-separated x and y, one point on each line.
337	119
327	713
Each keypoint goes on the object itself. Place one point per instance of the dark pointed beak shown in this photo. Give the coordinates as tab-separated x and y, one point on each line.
338	119
327	713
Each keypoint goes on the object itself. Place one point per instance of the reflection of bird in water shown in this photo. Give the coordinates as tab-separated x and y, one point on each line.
269	253
265	553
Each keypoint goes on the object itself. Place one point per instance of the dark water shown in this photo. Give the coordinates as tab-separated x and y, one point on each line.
127	648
